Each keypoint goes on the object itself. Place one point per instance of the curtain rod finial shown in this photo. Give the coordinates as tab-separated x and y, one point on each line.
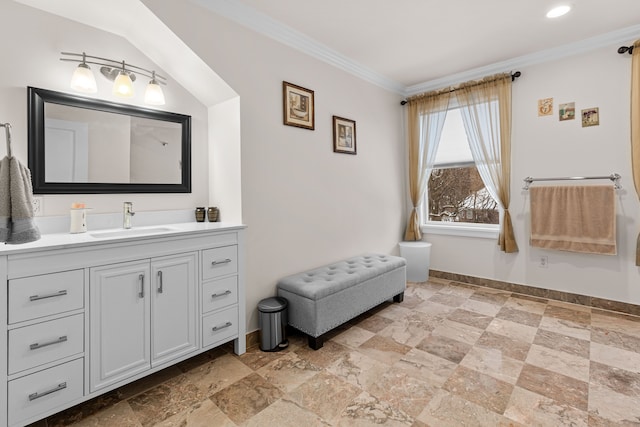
623	49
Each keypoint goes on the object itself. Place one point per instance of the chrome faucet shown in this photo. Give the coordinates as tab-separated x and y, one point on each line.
127	214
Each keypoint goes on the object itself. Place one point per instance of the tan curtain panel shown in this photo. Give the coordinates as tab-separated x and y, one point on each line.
635	127
426	117
486	112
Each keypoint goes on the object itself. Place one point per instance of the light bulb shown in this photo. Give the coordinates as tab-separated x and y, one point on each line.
123	86
153	95
83	79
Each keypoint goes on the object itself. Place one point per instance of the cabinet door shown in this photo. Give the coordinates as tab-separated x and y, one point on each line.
120	322
174	307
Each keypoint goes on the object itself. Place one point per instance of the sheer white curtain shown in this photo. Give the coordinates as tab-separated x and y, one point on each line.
427	114
485	107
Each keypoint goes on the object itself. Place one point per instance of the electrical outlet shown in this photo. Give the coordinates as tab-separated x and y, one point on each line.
37	206
544	262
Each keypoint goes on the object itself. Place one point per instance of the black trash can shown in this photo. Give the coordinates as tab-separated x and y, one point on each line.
272	320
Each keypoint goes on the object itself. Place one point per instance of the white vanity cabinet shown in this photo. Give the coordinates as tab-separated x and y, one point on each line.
120	323
90	315
143	314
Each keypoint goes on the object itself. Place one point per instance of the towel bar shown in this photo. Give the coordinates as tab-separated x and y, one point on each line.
7	128
613	177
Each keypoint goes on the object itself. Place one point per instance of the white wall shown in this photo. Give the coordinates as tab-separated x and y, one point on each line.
546	147
32	42
304	205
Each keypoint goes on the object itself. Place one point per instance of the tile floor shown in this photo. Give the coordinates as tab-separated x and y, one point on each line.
450	355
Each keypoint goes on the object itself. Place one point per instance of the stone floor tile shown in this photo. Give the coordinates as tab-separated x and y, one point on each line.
366	410
559	388
560	362
493	363
325	394
450	410
479	388
532	409
246	397
444	347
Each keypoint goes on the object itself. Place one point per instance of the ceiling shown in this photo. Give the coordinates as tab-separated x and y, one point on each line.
410	42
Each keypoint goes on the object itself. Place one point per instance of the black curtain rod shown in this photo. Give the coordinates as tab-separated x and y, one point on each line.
623	49
514	76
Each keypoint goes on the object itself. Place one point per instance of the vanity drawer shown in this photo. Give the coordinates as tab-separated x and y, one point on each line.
219	326
45	391
219	262
219	293
39	296
45	342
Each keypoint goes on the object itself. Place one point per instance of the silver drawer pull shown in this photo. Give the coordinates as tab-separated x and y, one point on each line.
55	294
36	345
141	281
34	396
224	261
217	328
227	292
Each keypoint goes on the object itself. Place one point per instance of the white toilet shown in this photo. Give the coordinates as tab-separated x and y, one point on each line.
417	255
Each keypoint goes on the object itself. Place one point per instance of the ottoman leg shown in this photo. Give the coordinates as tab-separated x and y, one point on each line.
316	342
399	297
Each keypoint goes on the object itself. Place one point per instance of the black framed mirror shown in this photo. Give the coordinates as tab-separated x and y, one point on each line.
81	145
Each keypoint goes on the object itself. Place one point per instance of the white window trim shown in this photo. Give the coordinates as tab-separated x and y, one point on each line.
461	229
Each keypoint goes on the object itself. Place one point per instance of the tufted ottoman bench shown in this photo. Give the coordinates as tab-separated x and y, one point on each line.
326	297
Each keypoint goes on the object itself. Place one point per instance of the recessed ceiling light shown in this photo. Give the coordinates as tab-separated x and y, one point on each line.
558	11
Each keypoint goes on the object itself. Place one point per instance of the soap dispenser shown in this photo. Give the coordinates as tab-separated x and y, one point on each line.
78	218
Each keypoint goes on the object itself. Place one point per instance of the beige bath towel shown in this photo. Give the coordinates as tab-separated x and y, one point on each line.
574	218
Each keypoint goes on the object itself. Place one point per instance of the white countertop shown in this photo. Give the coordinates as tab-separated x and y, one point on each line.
50	241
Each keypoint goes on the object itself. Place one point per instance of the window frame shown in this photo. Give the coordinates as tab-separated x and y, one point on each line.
460	229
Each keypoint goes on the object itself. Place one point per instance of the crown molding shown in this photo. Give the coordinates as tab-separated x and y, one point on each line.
267	26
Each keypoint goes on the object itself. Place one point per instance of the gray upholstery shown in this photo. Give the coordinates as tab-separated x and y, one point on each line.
326	297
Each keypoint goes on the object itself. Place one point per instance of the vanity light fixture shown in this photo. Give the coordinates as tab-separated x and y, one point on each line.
83	79
558	11
123	85
153	95
121	73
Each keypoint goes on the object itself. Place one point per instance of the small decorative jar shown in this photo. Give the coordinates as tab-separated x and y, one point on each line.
212	214
200	214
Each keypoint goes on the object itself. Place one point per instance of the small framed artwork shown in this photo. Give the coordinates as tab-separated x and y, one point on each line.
545	107
567	111
590	117
344	135
298	104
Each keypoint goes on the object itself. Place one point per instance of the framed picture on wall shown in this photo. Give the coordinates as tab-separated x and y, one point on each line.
344	135
590	117
298	105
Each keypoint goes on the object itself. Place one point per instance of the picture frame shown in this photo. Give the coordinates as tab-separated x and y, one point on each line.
298	105
590	117
567	111
545	107
344	135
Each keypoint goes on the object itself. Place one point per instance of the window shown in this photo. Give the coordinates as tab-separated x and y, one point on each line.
455	191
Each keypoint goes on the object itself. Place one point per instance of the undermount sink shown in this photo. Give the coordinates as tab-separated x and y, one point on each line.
130	232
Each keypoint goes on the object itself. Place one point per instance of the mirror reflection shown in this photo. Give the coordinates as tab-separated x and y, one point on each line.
84	145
